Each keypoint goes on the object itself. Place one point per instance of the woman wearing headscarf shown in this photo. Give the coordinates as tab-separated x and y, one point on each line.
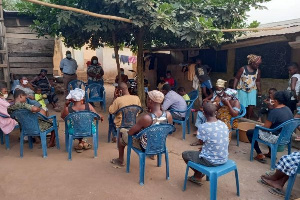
41	81
95	72
247	83
76	96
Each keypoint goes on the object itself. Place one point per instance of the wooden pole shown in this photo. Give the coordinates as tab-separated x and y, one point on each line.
247	29
79	11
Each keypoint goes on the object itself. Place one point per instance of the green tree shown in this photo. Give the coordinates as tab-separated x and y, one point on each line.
156	23
10	5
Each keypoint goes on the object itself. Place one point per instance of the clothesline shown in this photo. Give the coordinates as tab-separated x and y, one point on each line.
126	59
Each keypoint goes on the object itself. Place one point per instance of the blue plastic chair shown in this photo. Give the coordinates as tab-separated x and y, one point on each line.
82	127
156	145
95	93
76	84
290	185
212	174
186	121
285	138
7	144
129	114
242	114
28	122
193	97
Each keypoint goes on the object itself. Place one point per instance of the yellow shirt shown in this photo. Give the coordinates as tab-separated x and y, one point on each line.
120	102
186	97
160	85
39	98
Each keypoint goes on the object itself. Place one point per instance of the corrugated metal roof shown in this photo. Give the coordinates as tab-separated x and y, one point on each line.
290	27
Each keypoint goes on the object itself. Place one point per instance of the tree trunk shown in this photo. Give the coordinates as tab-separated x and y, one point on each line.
140	69
116	50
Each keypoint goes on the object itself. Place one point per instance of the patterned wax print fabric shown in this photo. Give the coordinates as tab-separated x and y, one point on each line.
223	114
44	124
247	81
289	164
96	70
215	138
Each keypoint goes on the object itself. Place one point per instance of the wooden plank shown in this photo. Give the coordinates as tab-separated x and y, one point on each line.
32	46
29	54
3	51
21	29
30	59
27	36
3	65
33	71
31	65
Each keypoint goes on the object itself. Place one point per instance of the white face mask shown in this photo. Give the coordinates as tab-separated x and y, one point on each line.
25	82
5	96
271	102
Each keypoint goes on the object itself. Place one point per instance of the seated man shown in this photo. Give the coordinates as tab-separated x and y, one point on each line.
122	98
156	116
169	79
214	136
173	101
124	77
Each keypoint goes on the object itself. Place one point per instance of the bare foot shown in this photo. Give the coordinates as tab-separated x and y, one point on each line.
117	161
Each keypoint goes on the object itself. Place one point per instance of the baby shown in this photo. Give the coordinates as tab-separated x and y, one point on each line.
39	97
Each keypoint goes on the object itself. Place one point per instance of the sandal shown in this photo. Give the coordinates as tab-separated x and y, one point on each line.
194	180
267	155
277	192
79	148
87	146
297	139
264	183
260	158
195	144
116	161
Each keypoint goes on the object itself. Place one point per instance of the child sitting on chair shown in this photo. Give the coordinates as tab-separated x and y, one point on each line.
39	97
214	136
183	93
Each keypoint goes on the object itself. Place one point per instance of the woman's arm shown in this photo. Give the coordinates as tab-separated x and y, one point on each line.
293	86
267	124
237	77
231	105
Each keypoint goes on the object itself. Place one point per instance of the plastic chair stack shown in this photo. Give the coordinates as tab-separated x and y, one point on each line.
28	122
186	121
242	114
83	123
212	174
95	93
156	145
129	114
76	84
285	138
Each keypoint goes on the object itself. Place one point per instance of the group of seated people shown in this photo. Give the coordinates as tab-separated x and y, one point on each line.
213	121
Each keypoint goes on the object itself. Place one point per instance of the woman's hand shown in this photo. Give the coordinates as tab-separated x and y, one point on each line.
67	103
225	101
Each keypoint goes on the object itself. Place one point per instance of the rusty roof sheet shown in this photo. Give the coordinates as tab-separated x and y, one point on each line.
290	27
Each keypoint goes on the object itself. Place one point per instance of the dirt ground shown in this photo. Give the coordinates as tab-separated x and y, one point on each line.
85	177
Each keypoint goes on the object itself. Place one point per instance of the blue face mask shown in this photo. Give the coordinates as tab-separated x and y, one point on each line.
95	62
69	56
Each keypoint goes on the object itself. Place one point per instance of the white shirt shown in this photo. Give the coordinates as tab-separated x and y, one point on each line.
297	88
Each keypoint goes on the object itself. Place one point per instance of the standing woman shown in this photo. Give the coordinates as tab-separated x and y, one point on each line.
247	83
294	85
95	72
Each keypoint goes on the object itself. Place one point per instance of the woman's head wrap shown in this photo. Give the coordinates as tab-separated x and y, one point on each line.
76	94
221	83
253	59
156	96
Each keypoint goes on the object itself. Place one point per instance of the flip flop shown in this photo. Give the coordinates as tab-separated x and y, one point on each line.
116	161
86	147
78	149
270	172
194	180
260	160
267	155
277	192
195	144
297	139
264	183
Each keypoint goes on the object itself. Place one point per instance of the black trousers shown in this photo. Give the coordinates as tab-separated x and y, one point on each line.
256	146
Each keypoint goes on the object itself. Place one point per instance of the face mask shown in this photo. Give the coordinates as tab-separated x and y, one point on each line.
5	96
122	72
219	92
25	82
271	102
95	62
168	76
69	56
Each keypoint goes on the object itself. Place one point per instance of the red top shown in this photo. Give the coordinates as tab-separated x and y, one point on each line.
170	81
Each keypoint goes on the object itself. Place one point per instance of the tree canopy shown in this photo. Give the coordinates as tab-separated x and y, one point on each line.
156	23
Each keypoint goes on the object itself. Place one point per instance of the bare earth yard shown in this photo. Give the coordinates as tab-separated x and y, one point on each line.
33	177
